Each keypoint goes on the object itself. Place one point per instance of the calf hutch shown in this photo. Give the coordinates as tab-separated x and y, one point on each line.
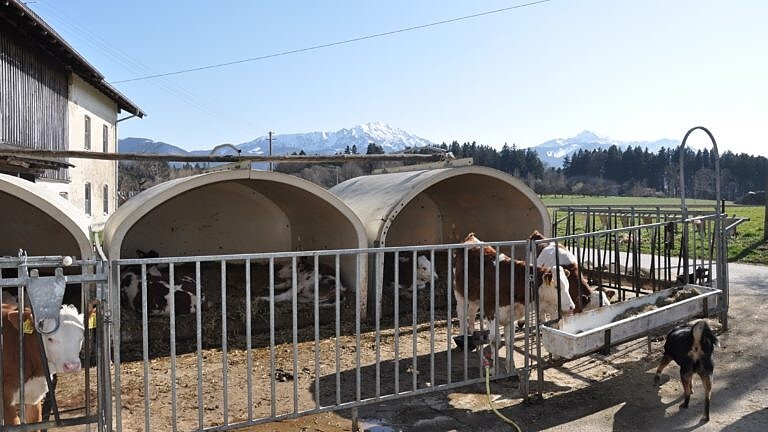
40	222
214	220
232	212
441	206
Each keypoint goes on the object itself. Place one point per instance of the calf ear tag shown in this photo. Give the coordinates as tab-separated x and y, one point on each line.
92	321
28	327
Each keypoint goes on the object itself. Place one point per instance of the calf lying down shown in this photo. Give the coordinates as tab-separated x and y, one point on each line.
692	348
305	283
160	289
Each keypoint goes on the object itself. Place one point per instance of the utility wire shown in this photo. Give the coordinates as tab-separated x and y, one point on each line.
135	66
332	44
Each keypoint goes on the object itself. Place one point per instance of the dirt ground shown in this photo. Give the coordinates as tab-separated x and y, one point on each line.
597	392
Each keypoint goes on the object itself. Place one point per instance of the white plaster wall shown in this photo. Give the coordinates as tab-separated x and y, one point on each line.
84	100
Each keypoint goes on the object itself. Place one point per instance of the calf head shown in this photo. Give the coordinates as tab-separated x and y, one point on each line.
597	296
303	265
548	291
472	239
424	271
148	254
62	346
327	288
152	269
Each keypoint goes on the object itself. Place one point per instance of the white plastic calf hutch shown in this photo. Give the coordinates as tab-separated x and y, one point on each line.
441	206
39	221
234	212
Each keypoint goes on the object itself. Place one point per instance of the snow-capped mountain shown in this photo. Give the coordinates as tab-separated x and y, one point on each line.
553	152
389	138
321	143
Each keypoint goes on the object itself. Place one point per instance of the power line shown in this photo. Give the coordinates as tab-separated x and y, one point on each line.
134	65
332	44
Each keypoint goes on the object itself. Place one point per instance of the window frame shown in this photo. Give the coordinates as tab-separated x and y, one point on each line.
105	139
87	198
87	133
105	198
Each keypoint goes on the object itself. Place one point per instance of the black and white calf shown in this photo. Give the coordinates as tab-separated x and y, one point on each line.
692	348
405	266
306	274
159	289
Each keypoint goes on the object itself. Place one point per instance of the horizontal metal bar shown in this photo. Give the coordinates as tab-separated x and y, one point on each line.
44	261
79	154
74	279
52	424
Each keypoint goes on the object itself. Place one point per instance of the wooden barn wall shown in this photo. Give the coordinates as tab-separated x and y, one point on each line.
33	97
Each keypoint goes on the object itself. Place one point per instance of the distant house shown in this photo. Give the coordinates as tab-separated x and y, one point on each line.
52	98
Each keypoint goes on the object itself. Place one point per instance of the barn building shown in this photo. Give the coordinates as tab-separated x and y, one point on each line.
53	99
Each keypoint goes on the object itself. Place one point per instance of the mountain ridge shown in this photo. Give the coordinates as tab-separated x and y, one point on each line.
551	153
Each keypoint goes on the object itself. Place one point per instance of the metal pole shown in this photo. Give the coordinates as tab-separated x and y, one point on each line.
722	258
270	151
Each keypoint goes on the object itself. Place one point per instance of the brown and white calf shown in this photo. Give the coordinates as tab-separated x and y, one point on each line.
306	274
62	350
585	298
511	291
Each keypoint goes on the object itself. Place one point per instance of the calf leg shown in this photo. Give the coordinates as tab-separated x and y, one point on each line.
706	379
686	378
10	417
460	314
495	340
33	413
509	342
664	362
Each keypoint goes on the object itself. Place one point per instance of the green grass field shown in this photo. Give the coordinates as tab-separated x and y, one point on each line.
747	246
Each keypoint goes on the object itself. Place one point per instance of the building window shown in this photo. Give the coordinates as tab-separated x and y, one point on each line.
105	138
88	199
105	199
87	144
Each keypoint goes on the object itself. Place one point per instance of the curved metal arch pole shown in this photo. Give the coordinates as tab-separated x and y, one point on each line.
722	257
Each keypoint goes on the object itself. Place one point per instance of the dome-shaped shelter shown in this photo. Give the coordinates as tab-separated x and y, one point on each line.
40	222
231	212
441	206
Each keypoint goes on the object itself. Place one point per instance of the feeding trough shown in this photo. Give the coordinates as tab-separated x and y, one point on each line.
590	331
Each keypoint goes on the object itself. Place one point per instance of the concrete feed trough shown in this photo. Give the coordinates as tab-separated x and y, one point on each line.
587	332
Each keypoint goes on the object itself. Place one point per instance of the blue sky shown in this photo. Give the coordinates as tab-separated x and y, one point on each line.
629	70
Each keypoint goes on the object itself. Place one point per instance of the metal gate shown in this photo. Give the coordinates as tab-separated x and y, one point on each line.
81	391
236	349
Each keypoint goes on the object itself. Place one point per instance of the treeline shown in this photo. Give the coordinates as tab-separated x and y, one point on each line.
612	171
638	172
134	177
